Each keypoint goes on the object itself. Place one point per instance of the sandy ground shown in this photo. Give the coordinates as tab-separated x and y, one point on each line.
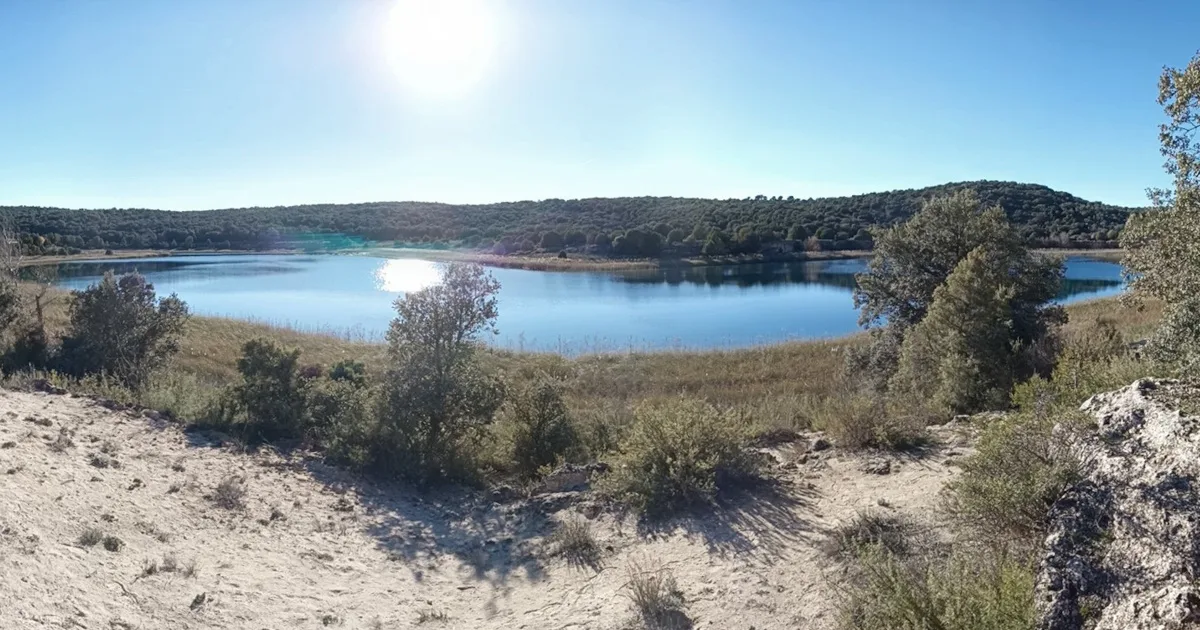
314	547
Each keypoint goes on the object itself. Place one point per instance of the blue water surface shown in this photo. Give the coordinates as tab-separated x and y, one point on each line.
569	312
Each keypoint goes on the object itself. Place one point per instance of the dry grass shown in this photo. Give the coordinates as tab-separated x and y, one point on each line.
780	386
91	537
656	598
573	539
230	493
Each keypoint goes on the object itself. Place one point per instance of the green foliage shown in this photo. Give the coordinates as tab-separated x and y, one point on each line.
969	302
857	420
676	236
681	454
543	432
913	259
963	591
552	241
715	244
1022	464
1041	213
270	393
121	328
638	243
349	370
436	393
959	357
1162	245
340	418
1093	360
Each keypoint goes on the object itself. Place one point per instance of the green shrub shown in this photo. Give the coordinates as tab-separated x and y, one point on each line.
270	392
119	327
1162	244
1093	360
681	454
868	530
350	371
339	414
977	590
1021	466
857	420
542	430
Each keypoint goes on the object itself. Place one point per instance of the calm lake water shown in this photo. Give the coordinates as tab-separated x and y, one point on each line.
569	312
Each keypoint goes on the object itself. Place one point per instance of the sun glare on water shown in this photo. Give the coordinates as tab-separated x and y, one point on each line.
405	276
442	48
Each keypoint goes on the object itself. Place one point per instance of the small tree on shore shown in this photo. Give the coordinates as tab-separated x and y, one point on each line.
120	328
912	263
436	393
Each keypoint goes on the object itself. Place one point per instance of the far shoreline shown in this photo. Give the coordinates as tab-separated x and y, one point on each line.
548	262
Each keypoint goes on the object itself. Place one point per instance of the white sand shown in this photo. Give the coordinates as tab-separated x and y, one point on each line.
352	554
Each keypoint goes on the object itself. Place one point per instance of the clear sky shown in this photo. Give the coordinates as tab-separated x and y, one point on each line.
189	104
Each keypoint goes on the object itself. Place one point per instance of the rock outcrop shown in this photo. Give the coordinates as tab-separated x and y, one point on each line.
1123	551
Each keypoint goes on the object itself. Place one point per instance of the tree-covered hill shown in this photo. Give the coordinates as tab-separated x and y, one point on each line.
1045	216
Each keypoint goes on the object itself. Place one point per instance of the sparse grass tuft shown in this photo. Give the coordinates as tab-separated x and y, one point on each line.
869	530
113	544
231	493
573	539
91	537
63	441
426	616
656	598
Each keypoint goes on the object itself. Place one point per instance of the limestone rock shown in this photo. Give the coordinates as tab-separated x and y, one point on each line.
1123	551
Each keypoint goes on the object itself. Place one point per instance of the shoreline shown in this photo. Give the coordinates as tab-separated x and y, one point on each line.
530	263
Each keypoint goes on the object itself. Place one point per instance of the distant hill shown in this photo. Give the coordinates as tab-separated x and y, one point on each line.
1045	216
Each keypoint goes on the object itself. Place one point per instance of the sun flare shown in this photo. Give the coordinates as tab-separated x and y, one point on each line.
441	48
405	275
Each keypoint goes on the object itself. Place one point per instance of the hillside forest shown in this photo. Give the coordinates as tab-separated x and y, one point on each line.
647	227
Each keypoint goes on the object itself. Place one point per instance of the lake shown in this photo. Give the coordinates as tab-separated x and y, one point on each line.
568	312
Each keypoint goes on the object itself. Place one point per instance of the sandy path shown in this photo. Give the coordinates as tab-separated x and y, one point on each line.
340	552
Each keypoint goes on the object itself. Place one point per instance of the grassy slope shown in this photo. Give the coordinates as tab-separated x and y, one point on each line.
768	380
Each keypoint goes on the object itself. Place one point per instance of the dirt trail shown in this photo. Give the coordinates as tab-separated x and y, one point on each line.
315	547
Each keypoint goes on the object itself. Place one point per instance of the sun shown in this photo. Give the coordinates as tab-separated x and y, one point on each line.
442	48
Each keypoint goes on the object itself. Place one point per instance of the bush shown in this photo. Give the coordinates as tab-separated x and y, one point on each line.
542	430
1162	245
962	591
680	454
863	420
270	393
119	327
436	393
868	531
1022	465
340	419
960	356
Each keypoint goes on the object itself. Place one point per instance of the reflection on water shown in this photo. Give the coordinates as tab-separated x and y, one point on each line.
404	275
1083	277
691	307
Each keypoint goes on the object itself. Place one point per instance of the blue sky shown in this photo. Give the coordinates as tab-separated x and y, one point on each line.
193	104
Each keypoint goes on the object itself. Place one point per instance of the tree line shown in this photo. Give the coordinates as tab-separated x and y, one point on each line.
624	226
